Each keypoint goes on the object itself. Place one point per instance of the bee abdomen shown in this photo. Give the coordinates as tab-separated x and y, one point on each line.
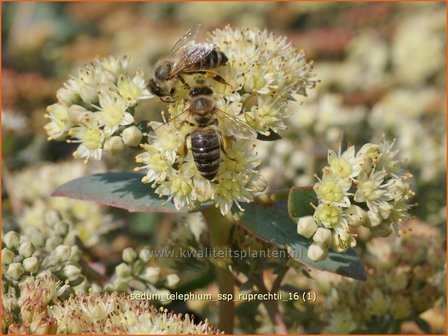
206	153
215	59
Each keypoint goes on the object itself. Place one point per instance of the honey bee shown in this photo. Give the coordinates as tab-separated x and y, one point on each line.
186	57
207	140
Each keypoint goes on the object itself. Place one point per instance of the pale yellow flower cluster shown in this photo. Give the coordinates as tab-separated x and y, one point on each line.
37	311
95	108
33	187
119	313
367	188
35	254
407	278
137	273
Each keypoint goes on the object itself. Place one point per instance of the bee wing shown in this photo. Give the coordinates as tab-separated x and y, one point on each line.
187	39
179	118
191	54
235	126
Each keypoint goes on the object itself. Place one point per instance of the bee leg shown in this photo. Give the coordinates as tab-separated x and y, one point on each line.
220	79
167	99
214	76
184	83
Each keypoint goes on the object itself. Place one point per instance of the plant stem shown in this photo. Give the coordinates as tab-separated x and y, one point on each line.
219	228
271	306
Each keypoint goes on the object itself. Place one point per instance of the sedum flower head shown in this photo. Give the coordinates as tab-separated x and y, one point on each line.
39	310
263	72
401	283
367	188
34	186
119	313
263	68
95	105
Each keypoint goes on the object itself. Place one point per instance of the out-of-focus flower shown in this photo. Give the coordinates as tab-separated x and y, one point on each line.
138	273
367	188
34	259
422	37
416	118
37	311
263	71
119	313
96	105
400	286
33	187
13	121
306	226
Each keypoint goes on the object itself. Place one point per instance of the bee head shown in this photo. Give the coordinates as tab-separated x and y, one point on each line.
162	71
158	90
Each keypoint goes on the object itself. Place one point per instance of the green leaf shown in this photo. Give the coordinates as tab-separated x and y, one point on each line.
271	223
120	190
271	137
299	202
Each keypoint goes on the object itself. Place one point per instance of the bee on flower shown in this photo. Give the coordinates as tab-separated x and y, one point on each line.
206	151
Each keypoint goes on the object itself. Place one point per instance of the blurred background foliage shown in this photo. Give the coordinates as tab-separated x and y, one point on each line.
382	72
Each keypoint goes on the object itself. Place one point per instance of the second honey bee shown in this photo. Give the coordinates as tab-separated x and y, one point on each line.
186	57
207	140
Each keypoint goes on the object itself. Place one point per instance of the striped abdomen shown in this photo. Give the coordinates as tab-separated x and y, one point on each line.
213	60
206	150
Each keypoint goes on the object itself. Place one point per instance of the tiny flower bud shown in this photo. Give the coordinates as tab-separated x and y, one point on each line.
129	255
62	253
66	96
89	93
373	219
317	252
123	270
52	217
72	272
145	254
31	264
306	226
53	242
12	240
7	256
355	216
370	150
151	274
121	284
132	136
74	253
164	296
322	237
114	145
172	280
76	114
26	249
61	228
36	237
382	230
15	270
